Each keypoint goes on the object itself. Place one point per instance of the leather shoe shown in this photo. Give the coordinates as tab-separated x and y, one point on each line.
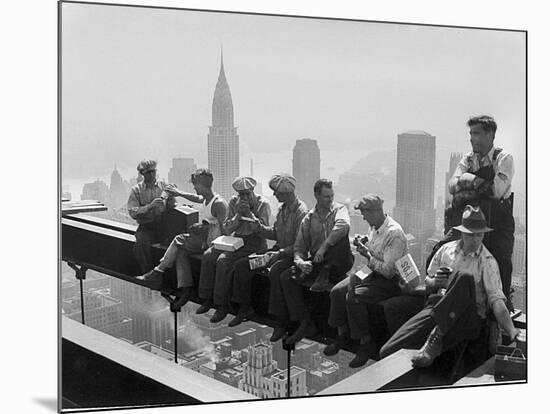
334	347
205	307
153	279
364	353
278	333
219	315
306	328
431	349
182	297
241	316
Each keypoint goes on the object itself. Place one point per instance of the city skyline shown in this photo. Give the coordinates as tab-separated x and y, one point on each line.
353	102
351	112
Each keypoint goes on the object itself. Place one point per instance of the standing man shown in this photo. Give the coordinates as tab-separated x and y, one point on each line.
322	256
459	313
146	204
246	209
212	215
284	231
349	299
484	178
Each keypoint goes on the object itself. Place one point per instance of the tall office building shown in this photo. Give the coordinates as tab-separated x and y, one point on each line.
180	173
414	207
118	191
223	141
262	378
306	168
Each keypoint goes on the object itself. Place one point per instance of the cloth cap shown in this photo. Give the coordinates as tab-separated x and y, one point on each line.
473	221
243	183
146	165
370	202
283	183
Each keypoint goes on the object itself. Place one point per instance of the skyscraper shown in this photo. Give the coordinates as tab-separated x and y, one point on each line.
306	168
414	206
180	173
223	141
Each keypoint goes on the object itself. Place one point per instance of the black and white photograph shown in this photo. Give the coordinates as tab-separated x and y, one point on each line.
266	207
287	206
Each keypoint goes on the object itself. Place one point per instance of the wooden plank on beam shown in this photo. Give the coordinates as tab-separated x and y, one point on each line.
484	374
374	376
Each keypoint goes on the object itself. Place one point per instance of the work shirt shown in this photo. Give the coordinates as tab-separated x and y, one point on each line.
287	225
386	244
503	166
481	264
316	228
140	196
259	207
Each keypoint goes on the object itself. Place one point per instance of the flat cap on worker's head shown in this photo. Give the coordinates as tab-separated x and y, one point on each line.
243	183
146	165
283	183
370	202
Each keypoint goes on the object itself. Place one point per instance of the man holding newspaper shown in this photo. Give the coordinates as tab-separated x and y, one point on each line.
376	281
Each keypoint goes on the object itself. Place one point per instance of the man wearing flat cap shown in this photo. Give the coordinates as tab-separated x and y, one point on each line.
146	204
349	299
469	277
245	212
284	231
322	256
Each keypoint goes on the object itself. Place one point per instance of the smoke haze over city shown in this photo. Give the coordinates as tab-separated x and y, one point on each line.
138	83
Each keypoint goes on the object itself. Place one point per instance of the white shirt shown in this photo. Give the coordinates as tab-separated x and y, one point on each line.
387	244
503	167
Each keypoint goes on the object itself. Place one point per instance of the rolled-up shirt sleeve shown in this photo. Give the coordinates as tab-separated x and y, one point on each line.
341	226
300	245
436	262
504	173
394	250
492	282
461	168
136	210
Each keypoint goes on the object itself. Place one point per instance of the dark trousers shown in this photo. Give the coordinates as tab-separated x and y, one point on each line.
289	301
216	277
455	314
277	301
146	235
400	309
242	279
500	242
352	310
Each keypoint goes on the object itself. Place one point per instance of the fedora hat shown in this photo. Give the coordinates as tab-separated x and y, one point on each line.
473	221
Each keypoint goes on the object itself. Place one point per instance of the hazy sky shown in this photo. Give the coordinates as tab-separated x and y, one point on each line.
139	83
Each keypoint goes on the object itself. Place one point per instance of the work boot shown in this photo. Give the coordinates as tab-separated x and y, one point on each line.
364	353
244	313
280	329
431	349
182	297
153	279
333	348
306	328
205	307
278	333
220	314
321	283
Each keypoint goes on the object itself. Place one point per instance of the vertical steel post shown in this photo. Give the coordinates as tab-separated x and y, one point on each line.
176	337
82	302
